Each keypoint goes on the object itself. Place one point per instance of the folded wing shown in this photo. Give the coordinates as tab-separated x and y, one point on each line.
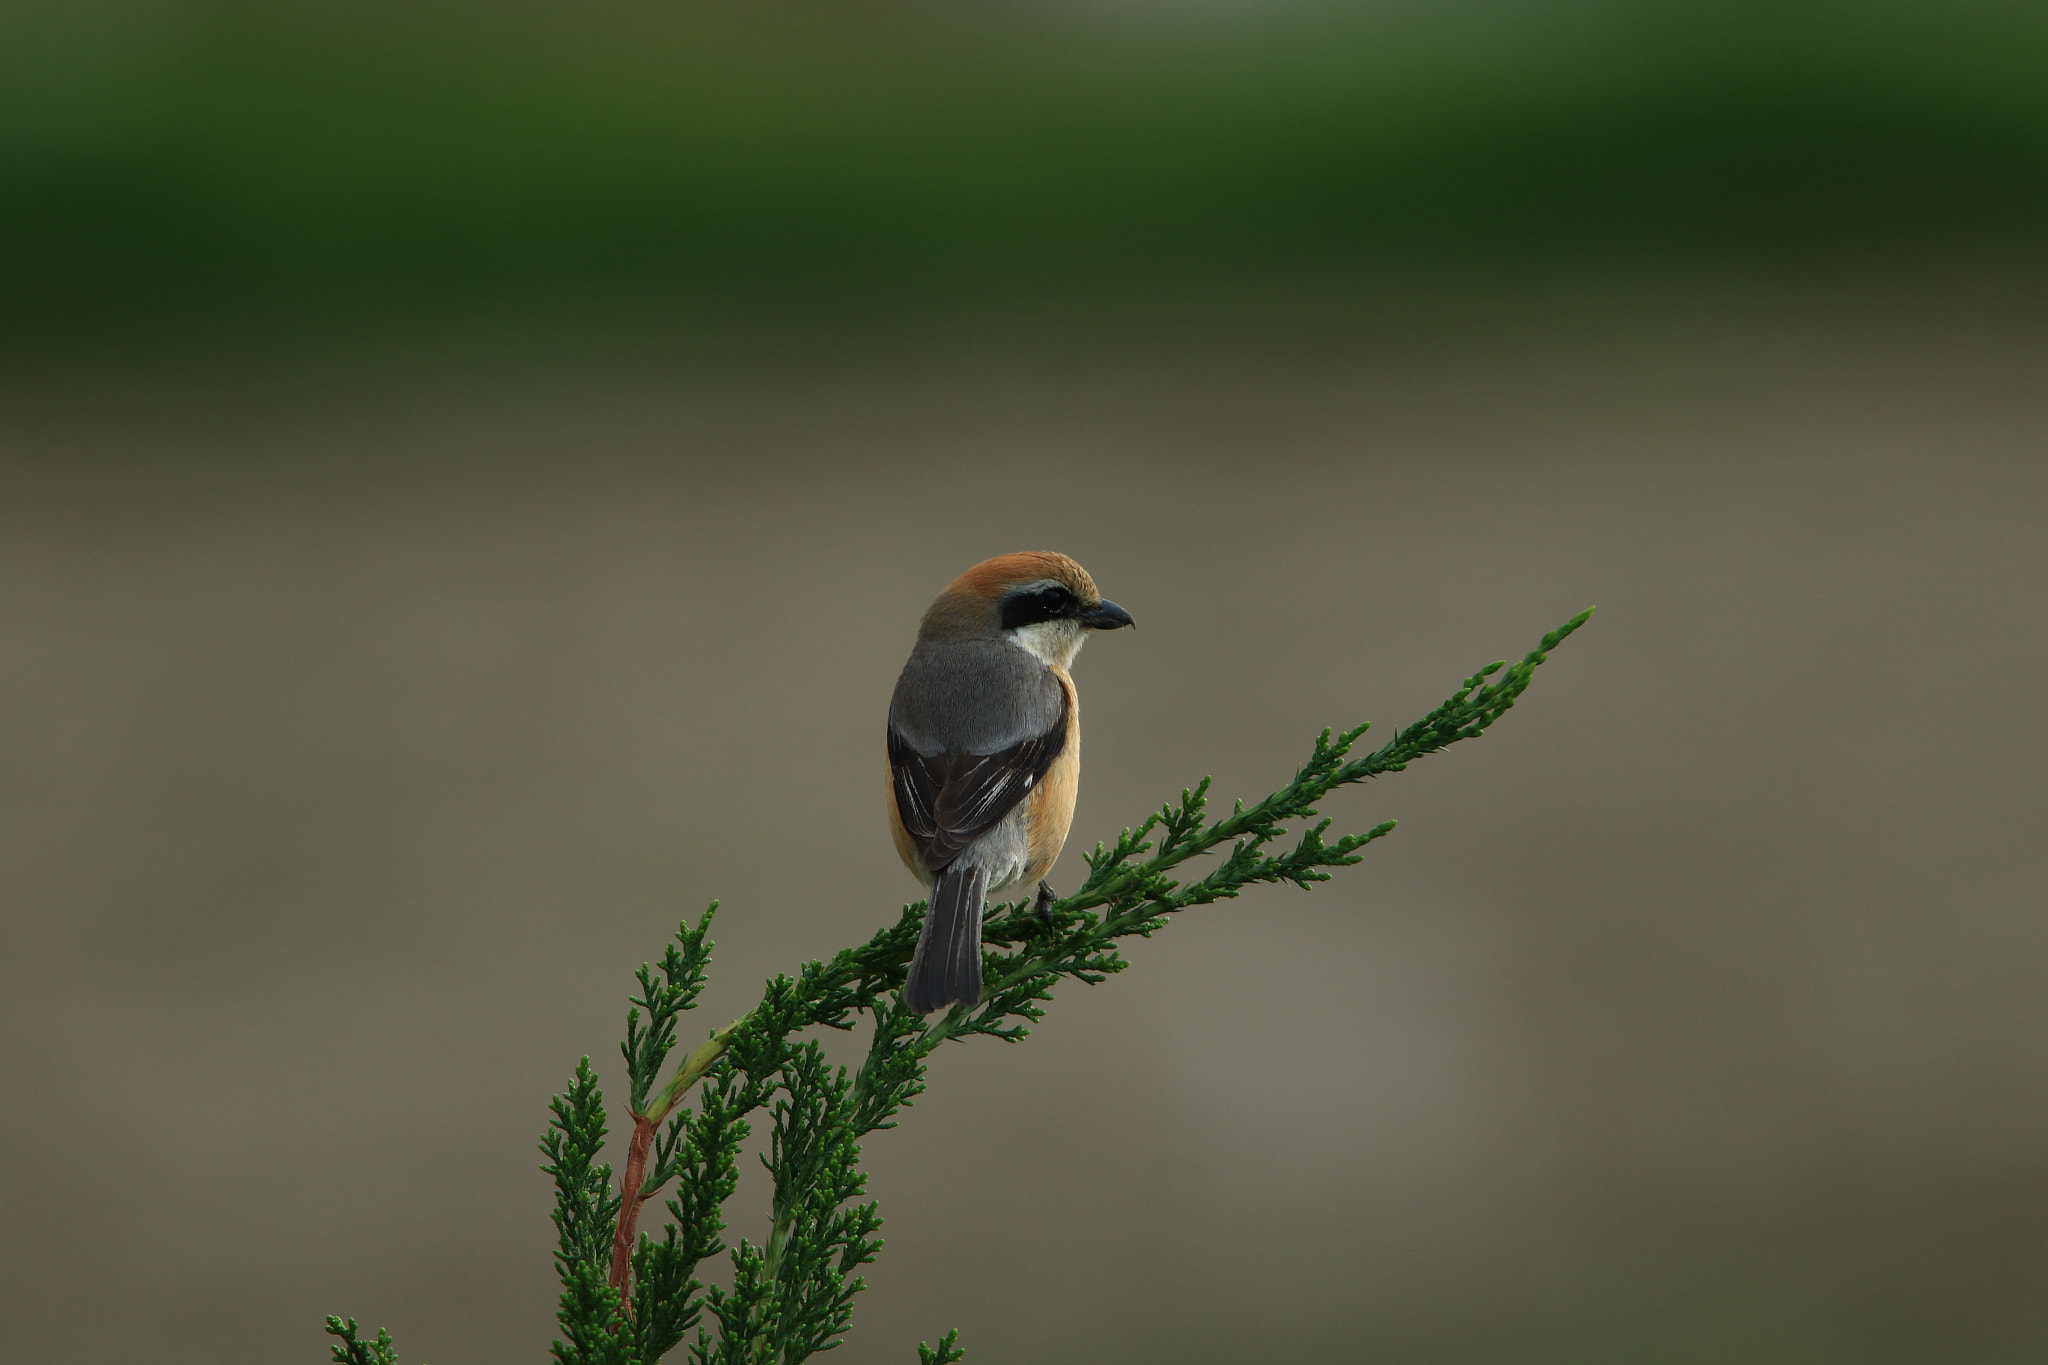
948	800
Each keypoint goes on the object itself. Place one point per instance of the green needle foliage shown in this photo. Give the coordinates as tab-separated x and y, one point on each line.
629	1298
351	1351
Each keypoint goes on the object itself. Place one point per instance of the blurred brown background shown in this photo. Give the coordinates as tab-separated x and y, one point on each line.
435	557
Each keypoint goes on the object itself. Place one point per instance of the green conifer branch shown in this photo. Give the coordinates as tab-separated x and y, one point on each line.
629	1299
351	1351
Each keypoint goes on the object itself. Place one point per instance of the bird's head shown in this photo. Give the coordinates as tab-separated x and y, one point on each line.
1041	601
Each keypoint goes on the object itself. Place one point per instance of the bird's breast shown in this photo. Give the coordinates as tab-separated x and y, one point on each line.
1050	807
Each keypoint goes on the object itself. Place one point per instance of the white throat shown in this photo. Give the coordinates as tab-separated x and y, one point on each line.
1054	643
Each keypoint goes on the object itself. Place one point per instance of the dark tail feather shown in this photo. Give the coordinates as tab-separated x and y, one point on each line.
947	968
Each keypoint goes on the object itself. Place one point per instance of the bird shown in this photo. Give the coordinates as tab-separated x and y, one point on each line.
985	751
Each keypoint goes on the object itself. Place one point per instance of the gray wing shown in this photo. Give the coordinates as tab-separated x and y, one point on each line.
949	799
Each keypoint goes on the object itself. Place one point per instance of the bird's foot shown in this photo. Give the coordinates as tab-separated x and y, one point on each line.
1042	906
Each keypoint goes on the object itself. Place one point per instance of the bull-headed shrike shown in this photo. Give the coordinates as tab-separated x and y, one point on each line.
985	751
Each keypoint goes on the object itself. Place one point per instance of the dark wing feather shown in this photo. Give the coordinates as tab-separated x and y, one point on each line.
948	800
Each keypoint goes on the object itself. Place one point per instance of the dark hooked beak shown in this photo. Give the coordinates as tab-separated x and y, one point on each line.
1105	615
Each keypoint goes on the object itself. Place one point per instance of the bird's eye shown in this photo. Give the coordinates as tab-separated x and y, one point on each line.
1052	599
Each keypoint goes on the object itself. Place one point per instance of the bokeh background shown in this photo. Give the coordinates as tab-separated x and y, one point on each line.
469	474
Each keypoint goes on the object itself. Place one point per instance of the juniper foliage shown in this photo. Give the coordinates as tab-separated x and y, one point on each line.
629	1298
352	1351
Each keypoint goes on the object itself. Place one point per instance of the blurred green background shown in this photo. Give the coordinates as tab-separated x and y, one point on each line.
217	157
469	475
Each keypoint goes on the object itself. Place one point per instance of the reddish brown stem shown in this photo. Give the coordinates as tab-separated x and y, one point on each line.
630	1200
630	1195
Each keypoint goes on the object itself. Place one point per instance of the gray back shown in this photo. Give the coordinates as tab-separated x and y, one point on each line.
973	696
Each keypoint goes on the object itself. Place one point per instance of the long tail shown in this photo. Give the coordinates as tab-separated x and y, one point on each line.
947	968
